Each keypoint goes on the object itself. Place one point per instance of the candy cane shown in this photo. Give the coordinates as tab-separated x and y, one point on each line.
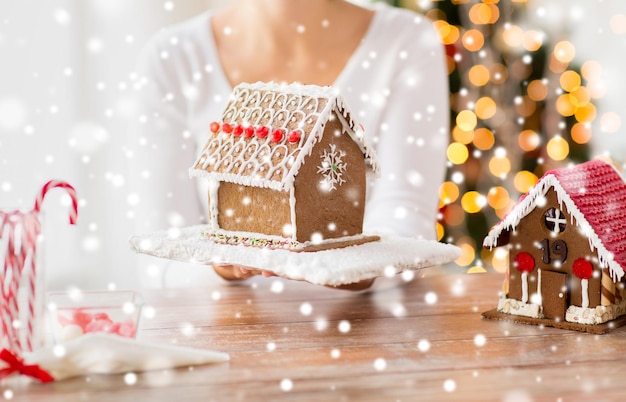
31	233
13	264
32	229
7	266
61	184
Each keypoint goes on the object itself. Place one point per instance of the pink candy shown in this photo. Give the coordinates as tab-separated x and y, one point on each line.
99	322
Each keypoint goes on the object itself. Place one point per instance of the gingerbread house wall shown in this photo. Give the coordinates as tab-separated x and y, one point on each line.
531	235
253	209
315	208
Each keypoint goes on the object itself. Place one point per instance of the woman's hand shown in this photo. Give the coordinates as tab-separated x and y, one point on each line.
238	272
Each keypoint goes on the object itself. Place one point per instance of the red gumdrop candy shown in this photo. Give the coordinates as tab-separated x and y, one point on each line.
227	128
99	326
214	127
524	262
582	268
126	329
238	130
262	132
81	318
277	135
248	132
102	316
293	137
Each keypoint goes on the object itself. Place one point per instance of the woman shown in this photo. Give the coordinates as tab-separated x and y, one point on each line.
388	64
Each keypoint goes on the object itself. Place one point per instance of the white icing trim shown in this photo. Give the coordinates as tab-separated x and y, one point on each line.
292	208
516	307
524	287
528	204
584	284
595	315
213	203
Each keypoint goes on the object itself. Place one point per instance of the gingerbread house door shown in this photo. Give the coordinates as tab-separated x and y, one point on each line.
554	294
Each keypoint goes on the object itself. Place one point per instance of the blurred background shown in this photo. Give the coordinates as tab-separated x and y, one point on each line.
534	85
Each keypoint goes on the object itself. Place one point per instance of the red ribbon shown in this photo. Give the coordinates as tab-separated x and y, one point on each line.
17	365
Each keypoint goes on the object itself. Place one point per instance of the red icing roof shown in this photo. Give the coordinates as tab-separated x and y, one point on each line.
599	192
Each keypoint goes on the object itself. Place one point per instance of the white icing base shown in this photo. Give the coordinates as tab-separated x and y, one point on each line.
517	307
595	315
388	256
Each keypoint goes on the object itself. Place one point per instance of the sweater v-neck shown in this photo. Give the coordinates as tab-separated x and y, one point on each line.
345	71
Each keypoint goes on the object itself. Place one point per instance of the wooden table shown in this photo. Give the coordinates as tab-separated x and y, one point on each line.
425	341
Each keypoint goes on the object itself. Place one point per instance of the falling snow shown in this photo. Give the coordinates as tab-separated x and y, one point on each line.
69	115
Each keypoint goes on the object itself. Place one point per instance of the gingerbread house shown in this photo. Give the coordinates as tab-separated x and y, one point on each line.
287	168
566	240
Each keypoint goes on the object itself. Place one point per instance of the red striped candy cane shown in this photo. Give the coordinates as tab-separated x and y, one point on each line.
31	233
60	184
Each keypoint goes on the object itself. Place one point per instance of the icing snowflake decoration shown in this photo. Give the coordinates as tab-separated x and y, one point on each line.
332	168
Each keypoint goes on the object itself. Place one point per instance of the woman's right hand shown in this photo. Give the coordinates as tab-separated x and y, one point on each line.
238	272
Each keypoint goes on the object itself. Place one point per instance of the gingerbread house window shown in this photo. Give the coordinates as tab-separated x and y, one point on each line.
555	220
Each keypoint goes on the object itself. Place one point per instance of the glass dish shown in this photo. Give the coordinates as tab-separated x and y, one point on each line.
75	313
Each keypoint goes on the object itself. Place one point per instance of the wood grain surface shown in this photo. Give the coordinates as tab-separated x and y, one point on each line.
420	341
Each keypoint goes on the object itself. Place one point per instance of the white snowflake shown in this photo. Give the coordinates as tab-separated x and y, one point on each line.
332	168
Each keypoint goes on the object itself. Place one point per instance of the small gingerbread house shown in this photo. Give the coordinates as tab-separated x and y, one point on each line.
567	249
286	167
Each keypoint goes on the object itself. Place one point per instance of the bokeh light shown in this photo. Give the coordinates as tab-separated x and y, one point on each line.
532	40
566	105
472	202
448	192
528	140
524	180
499	166
513	35
464	137
610	122
473	40
484	13
457	153
466	120
498	197
557	148
570	80
581	133
537	90
478	75
449	34
585	113
485	108
484	139
564	51
467	253
618	24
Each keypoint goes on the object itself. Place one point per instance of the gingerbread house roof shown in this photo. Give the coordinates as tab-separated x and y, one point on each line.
268	129
594	194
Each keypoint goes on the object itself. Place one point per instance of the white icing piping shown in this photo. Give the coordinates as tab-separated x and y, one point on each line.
292	209
514	217
358	138
213	203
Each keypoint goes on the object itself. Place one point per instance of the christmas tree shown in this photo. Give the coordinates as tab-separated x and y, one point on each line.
519	106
